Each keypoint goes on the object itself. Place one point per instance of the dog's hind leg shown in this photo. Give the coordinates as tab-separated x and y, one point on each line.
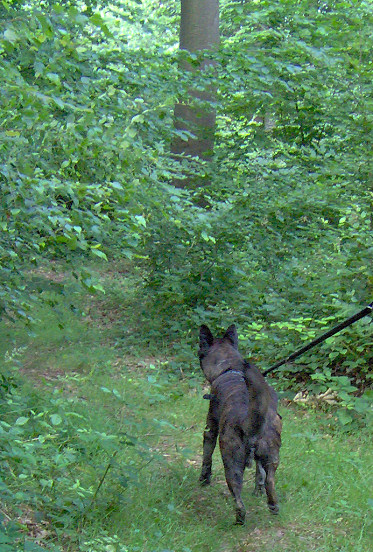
270	487
249	456
260	478
234	459
209	442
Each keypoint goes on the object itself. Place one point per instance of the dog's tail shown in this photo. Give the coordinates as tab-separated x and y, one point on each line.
250	457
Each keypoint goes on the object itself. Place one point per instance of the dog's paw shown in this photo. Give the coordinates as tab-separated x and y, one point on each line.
205	480
274	509
240	516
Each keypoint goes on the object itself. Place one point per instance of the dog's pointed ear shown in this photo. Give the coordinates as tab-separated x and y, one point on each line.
206	338
232	335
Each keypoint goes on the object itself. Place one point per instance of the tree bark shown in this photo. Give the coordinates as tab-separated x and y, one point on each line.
199	30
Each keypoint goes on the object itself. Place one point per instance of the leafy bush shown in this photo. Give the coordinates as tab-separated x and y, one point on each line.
59	459
83	150
341	365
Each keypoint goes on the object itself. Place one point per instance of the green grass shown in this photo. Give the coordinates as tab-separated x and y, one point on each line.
132	420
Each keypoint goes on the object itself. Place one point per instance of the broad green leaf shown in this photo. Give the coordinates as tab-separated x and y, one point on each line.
22	420
56	419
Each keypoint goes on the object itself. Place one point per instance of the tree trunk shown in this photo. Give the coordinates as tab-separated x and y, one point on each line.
199	30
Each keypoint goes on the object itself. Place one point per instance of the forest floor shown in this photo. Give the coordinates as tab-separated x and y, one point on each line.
95	362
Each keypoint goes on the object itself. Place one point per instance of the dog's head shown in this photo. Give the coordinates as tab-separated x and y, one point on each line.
217	355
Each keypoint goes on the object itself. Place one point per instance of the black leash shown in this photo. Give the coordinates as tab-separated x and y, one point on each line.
368	310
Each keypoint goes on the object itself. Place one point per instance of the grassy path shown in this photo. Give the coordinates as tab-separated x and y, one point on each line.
323	484
324	481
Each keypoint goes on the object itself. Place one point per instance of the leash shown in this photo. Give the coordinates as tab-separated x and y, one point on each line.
364	312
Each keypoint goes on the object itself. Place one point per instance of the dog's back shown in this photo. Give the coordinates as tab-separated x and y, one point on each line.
232	402
242	401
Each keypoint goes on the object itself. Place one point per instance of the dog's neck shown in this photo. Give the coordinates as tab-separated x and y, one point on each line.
229	370
225	361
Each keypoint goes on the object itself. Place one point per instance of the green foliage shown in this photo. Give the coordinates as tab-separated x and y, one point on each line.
340	366
290	202
283	247
60	455
87	97
291	106
80	137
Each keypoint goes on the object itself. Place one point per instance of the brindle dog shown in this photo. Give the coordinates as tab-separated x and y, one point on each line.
243	412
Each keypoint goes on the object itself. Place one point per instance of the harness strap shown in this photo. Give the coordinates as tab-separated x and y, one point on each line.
226	372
